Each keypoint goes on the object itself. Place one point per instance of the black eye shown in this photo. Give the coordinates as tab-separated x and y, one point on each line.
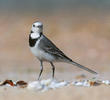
33	25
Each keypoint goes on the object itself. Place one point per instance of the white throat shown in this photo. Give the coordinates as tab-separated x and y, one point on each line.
35	35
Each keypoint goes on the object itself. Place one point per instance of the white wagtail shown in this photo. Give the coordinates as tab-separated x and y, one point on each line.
45	50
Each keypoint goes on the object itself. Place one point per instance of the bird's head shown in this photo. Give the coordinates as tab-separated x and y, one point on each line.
37	27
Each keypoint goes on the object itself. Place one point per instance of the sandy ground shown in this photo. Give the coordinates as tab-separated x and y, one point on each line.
66	93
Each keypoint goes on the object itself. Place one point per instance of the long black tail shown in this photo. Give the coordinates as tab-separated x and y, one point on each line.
83	67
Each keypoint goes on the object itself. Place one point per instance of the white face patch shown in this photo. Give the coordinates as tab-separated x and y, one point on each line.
37	29
35	35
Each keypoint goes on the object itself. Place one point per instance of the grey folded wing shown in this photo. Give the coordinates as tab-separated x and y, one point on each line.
49	47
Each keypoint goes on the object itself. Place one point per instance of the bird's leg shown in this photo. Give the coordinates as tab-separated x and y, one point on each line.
53	69
41	69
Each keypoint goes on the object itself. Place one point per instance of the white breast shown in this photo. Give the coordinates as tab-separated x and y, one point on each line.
40	54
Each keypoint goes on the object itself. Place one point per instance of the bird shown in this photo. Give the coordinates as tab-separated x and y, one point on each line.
46	51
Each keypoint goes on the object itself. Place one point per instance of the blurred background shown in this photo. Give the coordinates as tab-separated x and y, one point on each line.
80	28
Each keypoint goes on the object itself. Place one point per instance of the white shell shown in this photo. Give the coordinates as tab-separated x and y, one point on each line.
107	82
